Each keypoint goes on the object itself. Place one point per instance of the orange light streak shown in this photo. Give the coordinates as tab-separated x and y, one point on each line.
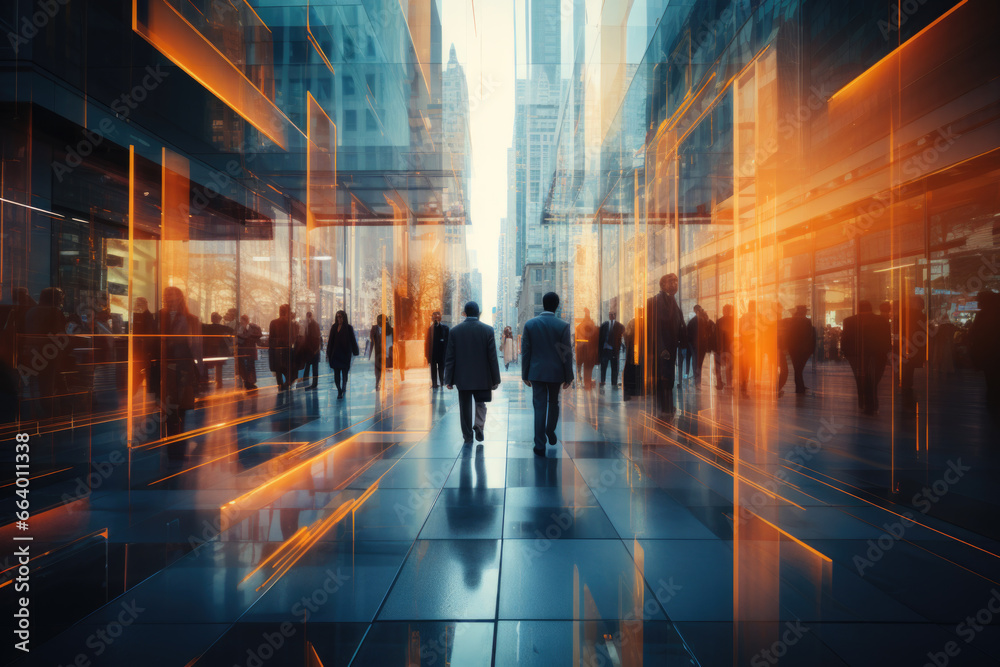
38	476
885	509
896	51
793	538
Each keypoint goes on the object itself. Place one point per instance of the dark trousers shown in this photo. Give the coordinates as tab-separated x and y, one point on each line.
248	369
867	375
378	369
545	401
782	369
340	378
217	365
437	371
312	363
798	367
724	362
699	363
684	355
611	357
173	424
467	406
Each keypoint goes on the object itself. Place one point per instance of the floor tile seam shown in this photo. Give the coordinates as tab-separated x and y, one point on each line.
413	544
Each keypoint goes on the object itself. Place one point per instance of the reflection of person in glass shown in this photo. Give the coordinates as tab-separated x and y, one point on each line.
665	333
586	349
217	344
632	381
866	342
797	338
375	338
247	337
282	332
45	327
180	358
341	346
609	340
984	349
143	327
508	348
435	344
912	330
310	352
724	330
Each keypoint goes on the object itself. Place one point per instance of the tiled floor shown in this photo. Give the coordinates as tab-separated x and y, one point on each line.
391	543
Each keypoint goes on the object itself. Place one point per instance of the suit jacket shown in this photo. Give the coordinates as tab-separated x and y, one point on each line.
586	342
617	331
341	346
179	362
546	350
314	339
866	336
724	334
798	337
217	340
666	330
470	360
435	347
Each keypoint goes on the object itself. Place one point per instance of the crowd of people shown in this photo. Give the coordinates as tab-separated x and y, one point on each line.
175	355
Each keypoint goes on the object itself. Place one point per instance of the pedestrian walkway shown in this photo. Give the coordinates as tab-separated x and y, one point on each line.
390	543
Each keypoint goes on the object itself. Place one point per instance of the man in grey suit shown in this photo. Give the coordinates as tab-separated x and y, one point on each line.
546	363
470	362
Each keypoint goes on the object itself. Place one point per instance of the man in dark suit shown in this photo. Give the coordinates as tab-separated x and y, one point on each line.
282	332
866	341
725	326
310	350
586	349
546	363
217	345
798	339
435	345
471	364
610	343
665	332
701	338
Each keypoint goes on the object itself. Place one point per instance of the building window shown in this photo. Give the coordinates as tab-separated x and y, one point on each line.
370	121
348	86
350	120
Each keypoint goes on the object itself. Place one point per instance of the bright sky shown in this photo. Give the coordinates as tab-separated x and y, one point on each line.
485	48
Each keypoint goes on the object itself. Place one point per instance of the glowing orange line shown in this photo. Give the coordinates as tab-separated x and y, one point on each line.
885	509
722	468
305	464
898	49
38	476
205	429
227	455
274	555
254	12
794	539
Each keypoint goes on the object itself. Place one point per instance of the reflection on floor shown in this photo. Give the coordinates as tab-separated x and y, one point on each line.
383	540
